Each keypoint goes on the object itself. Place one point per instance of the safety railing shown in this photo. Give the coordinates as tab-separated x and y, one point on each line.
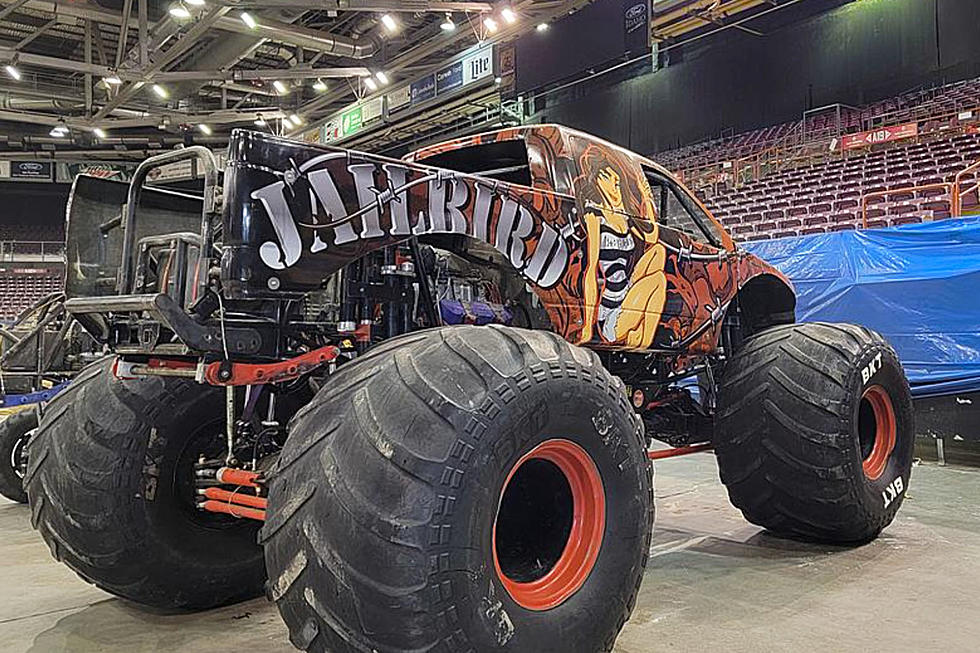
946	186
33	251
957	196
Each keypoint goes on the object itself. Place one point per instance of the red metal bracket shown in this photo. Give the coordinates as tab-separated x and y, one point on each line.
223	373
678	451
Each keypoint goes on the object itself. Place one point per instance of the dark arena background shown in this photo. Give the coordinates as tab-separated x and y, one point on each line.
214	216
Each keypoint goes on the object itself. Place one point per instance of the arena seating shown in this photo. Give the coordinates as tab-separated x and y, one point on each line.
828	193
941	103
20	289
827	196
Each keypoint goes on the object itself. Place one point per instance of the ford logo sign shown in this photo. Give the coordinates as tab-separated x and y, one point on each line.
32	166
636	11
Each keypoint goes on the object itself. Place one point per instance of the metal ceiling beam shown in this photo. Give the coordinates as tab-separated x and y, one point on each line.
123	31
12	8
311	39
406	6
264	74
274	30
184	43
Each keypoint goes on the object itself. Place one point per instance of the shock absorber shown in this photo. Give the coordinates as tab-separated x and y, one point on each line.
230	491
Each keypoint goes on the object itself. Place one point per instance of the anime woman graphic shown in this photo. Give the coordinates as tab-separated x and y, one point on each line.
625	286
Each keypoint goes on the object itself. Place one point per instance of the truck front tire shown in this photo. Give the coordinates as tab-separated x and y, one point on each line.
462	489
814	431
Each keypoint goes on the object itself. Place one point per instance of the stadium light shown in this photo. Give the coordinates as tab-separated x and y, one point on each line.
280	87
295	119
13	72
287	123
259	121
248	20
490	24
390	23
319	86
112	80
371	84
59	131
382	77
99	133
543	27
509	15
195	3
448	25
161	92
179	11
205	129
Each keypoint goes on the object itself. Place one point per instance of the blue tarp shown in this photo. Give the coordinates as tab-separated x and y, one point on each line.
918	285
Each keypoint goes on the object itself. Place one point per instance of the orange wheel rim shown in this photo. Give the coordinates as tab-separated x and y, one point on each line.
885	432
584	540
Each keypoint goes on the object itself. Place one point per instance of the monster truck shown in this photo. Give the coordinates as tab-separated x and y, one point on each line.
39	353
413	399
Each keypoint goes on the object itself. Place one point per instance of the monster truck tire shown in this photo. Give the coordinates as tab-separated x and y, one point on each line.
389	527
110	484
13	438
814	432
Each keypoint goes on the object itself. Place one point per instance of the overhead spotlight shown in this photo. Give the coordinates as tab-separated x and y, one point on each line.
287	123
205	129
295	119
99	133
448	25
382	77
371	84
196	3
13	72
161	92
543	27
59	131
490	24
280	87
179	11
319	86
248	20
112	79
509	15
259	121
497	80
390	23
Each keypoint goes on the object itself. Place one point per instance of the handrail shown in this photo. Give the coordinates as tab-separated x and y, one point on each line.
895	191
957	198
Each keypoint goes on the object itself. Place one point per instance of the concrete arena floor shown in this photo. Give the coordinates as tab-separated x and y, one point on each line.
715	583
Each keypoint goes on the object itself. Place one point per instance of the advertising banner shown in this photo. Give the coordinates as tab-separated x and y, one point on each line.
31	170
372	109
449	78
876	136
399	98
351	121
424	89
478	65
636	25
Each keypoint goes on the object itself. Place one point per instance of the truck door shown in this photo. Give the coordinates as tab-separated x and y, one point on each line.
699	270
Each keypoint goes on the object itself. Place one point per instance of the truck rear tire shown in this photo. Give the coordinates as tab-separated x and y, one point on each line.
462	489
110	481
814	432
14	431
